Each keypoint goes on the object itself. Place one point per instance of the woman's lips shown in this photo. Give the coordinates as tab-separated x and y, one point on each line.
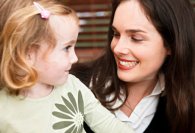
127	64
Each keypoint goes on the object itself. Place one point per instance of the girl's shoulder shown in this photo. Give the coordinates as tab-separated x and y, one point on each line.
3	98
73	85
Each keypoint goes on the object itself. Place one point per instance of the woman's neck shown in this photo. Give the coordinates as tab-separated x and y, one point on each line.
136	92
141	89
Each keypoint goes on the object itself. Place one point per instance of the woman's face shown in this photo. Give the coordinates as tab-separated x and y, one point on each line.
137	46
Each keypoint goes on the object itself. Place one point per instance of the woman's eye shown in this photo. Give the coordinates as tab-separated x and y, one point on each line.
137	38
116	35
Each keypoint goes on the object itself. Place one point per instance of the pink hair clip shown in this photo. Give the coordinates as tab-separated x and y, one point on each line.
44	13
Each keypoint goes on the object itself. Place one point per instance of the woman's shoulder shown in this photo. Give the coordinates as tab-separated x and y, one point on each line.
160	121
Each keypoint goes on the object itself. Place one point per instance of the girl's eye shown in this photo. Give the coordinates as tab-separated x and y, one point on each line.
67	48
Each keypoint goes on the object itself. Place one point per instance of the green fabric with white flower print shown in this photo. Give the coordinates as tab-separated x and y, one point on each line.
71	114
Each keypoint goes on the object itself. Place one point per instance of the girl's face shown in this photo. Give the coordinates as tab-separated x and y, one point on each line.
53	68
137	46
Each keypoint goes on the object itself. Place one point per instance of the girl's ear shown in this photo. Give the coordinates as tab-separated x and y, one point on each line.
30	59
31	54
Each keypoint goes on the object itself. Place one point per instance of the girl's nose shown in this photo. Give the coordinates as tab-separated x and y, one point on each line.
74	58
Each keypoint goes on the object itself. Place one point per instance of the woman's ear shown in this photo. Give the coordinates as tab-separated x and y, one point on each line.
168	51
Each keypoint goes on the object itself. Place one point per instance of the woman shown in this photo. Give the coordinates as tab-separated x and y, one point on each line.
146	76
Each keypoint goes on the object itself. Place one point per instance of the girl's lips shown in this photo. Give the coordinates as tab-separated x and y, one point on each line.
124	64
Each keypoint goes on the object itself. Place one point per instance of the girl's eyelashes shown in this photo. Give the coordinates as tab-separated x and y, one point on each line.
67	48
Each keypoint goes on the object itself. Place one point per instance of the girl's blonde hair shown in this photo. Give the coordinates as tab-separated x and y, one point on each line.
22	30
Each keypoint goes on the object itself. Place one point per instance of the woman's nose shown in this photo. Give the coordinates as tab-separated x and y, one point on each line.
121	47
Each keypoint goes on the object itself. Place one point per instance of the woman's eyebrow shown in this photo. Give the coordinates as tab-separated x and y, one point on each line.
134	31
113	28
129	30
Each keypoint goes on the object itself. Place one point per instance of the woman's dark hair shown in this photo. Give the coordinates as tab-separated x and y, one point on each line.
175	22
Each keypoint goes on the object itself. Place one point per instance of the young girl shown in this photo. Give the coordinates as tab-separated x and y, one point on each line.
38	95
